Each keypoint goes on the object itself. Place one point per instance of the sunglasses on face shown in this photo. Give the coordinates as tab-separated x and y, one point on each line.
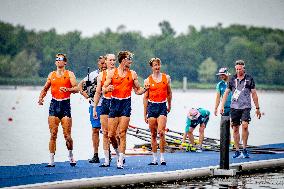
129	58
59	58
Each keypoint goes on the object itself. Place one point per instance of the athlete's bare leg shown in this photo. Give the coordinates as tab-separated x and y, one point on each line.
236	135
66	123
245	133
201	134
53	123
104	124
123	124
96	139
153	126
112	127
162	121
190	135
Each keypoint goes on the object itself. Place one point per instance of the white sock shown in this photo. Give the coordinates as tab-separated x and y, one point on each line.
106	152
51	158
162	157
70	154
121	157
154	157
117	153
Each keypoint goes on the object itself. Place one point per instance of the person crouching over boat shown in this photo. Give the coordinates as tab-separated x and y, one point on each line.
62	83
196	117
156	109
121	81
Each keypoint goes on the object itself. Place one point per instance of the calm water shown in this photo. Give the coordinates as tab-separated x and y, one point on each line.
24	140
272	180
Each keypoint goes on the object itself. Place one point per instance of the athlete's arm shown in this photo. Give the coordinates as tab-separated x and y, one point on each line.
224	99
169	97
217	102
137	89
80	88
97	94
255	100
44	90
107	84
74	88
145	102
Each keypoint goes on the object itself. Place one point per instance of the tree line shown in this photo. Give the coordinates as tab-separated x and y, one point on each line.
196	54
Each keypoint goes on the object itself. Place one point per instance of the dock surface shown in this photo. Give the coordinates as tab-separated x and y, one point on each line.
35	175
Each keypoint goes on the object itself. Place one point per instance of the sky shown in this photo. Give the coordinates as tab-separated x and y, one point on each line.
93	16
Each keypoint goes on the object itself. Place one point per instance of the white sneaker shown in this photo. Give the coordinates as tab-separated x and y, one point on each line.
72	162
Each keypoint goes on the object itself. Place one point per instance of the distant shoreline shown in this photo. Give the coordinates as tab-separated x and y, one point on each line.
14	83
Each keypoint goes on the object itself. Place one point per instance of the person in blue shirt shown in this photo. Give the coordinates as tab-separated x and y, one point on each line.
220	90
195	117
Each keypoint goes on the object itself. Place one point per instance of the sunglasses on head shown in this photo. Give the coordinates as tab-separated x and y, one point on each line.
240	63
60	59
153	59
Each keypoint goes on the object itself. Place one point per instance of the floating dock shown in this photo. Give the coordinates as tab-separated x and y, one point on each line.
180	165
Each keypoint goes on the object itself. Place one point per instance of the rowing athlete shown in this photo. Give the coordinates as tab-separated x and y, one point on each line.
155	107
110	63
121	81
62	83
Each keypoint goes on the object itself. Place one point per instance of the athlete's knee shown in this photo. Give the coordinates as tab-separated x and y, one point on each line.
201	129
245	126
161	133
111	135
122	134
53	135
67	136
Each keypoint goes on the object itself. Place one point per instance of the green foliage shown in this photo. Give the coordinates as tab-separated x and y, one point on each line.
5	68
29	54
207	70
24	65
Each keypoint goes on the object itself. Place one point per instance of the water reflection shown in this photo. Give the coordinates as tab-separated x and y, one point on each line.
273	180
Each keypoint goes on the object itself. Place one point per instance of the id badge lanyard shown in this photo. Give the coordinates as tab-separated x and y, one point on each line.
238	92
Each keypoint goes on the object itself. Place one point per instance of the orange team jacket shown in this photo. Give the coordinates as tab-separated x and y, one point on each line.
158	92
57	82
108	94
122	85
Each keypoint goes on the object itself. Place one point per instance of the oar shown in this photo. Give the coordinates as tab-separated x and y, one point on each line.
145	138
206	140
170	142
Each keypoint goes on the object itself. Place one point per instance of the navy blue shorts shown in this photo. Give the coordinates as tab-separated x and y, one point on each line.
60	109
96	123
156	109
200	121
105	106
239	115
119	107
